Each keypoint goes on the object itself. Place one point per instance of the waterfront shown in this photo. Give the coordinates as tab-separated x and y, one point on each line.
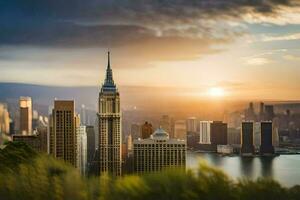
283	168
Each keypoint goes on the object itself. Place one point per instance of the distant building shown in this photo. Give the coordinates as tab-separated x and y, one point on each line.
269	112
234	136
191	125
180	129
25	115
83	117
256	135
158	152
147	130
204	132
166	124
135	131
91	145
81	149
62	131
218	133
4	119
37	142
261	111
250	114
266	146
129	143
247	138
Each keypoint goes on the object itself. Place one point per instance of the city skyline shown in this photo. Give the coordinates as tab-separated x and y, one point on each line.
217	50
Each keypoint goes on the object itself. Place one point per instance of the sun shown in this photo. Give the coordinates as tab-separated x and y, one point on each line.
216	92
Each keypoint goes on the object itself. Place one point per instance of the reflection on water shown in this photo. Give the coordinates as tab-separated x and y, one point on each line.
246	166
284	168
266	166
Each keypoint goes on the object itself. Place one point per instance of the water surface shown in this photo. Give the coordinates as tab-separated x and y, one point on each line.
284	168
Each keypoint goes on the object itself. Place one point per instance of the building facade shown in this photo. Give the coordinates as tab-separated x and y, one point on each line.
247	139
82	149
62	131
158	152
147	130
191	125
25	115
109	122
266	146
91	144
135	131
218	133
166	124
180	129
4	119
204	132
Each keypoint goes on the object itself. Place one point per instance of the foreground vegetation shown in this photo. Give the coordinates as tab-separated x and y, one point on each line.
24	174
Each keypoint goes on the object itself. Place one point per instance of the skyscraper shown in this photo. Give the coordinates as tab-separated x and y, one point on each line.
109	117
266	146
191	125
81	149
180	129
62	128
4	119
135	131
247	138
91	145
218	133
204	132
25	115
147	130
269	112
166	124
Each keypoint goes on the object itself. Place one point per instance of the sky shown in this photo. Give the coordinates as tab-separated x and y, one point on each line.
235	49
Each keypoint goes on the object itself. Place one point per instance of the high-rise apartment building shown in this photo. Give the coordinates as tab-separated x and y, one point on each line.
25	115
191	125
82	149
62	131
158	152
218	133
4	119
146	130
204	132
247	141
266	146
166	124
180	129
91	145
256	135
109	122
135	131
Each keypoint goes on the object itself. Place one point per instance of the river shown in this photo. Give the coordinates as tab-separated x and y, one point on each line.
283	168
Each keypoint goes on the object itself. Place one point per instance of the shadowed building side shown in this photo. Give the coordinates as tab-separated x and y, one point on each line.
247	138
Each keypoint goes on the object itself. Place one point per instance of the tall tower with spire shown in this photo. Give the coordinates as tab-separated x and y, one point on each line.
109	124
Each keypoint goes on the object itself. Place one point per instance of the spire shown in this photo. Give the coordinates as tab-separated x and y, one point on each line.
108	60
109	82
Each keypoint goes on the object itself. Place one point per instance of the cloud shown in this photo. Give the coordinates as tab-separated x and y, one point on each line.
258	61
291	57
151	30
294	36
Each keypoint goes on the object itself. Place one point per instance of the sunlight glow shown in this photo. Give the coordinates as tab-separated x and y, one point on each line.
216	92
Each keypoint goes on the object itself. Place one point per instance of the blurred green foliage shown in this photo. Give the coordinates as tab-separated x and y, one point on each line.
24	174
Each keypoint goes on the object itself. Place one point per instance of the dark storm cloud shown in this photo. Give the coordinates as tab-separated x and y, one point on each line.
95	22
149	29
